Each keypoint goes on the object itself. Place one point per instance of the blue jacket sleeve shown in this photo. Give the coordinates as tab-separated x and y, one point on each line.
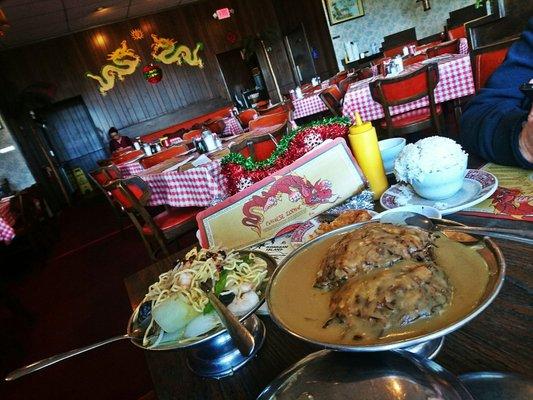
492	121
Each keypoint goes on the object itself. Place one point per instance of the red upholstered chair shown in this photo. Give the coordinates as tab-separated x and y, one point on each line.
457	32
157	158
192	134
260	147
156	231
405	89
269	120
246	116
414	59
451	47
486	59
332	98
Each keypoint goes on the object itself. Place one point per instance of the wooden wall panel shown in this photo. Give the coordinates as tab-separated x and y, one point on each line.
132	102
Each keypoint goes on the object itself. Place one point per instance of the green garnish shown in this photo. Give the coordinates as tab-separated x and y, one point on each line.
219	288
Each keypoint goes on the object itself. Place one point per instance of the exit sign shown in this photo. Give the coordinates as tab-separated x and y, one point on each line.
223	13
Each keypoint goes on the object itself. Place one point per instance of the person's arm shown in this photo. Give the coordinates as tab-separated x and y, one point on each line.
492	123
113	145
127	141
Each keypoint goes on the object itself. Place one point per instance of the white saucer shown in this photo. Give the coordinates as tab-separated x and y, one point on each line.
478	185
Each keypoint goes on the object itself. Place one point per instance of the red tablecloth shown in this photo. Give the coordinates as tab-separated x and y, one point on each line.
455	81
7	221
201	186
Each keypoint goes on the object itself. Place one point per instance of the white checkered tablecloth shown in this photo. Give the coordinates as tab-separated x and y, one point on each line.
310	104
455	81
131	168
233	127
201	186
7	221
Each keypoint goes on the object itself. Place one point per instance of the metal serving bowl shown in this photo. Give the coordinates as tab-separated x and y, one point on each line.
392	375
489	251
213	354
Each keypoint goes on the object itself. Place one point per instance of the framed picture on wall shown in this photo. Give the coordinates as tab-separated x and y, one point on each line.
343	10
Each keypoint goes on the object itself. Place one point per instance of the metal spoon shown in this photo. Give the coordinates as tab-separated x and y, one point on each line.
242	339
28	369
421	221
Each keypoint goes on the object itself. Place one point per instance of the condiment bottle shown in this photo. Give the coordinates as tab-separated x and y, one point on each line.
364	143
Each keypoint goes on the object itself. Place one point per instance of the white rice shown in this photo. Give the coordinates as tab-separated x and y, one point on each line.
432	154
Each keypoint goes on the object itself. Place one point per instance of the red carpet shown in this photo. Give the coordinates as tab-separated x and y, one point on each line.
72	299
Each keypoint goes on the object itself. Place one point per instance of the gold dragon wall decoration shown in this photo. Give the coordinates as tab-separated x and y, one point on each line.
125	62
168	52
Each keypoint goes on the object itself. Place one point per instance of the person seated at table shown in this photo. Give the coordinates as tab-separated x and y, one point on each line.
498	123
118	142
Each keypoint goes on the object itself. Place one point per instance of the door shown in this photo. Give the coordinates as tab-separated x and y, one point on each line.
300	55
73	136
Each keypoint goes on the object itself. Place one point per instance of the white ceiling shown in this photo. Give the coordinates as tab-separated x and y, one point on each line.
37	20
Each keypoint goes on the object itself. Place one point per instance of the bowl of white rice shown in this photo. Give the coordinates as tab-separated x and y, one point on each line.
435	167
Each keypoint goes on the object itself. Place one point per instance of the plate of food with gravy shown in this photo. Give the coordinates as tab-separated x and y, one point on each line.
373	286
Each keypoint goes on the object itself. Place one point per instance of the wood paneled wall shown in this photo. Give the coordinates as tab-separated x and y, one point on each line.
64	62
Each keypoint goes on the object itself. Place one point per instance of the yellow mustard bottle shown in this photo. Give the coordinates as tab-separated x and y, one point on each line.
364	143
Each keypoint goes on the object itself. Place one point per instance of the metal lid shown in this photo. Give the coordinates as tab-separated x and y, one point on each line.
366	376
498	385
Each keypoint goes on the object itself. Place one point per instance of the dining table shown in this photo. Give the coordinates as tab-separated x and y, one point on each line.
499	339
182	181
309	104
456	80
7	221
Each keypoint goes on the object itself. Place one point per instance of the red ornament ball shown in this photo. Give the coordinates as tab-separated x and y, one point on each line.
153	73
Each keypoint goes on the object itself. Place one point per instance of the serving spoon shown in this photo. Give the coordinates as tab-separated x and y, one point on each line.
421	221
243	340
136	334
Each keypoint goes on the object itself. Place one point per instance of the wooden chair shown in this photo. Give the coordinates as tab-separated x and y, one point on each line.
332	98
102	177
259	147
192	134
456	32
217	126
157	231
405	89
276	109
414	59
157	158
246	116
346	82
451	47
269	120
486	59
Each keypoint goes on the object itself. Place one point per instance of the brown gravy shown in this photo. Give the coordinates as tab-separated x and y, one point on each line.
304	309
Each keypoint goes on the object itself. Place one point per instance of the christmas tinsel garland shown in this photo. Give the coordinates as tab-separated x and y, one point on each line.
241	172
283	145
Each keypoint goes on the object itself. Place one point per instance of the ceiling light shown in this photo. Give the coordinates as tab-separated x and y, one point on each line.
100	9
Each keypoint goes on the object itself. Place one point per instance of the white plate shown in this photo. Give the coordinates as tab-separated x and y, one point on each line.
303	233
478	185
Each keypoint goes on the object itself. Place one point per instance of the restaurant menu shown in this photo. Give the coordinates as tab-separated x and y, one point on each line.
514	197
324	177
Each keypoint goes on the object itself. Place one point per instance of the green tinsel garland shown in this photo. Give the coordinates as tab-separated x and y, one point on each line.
250	165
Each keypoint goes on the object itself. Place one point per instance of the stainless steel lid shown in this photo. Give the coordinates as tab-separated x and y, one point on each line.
365	376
